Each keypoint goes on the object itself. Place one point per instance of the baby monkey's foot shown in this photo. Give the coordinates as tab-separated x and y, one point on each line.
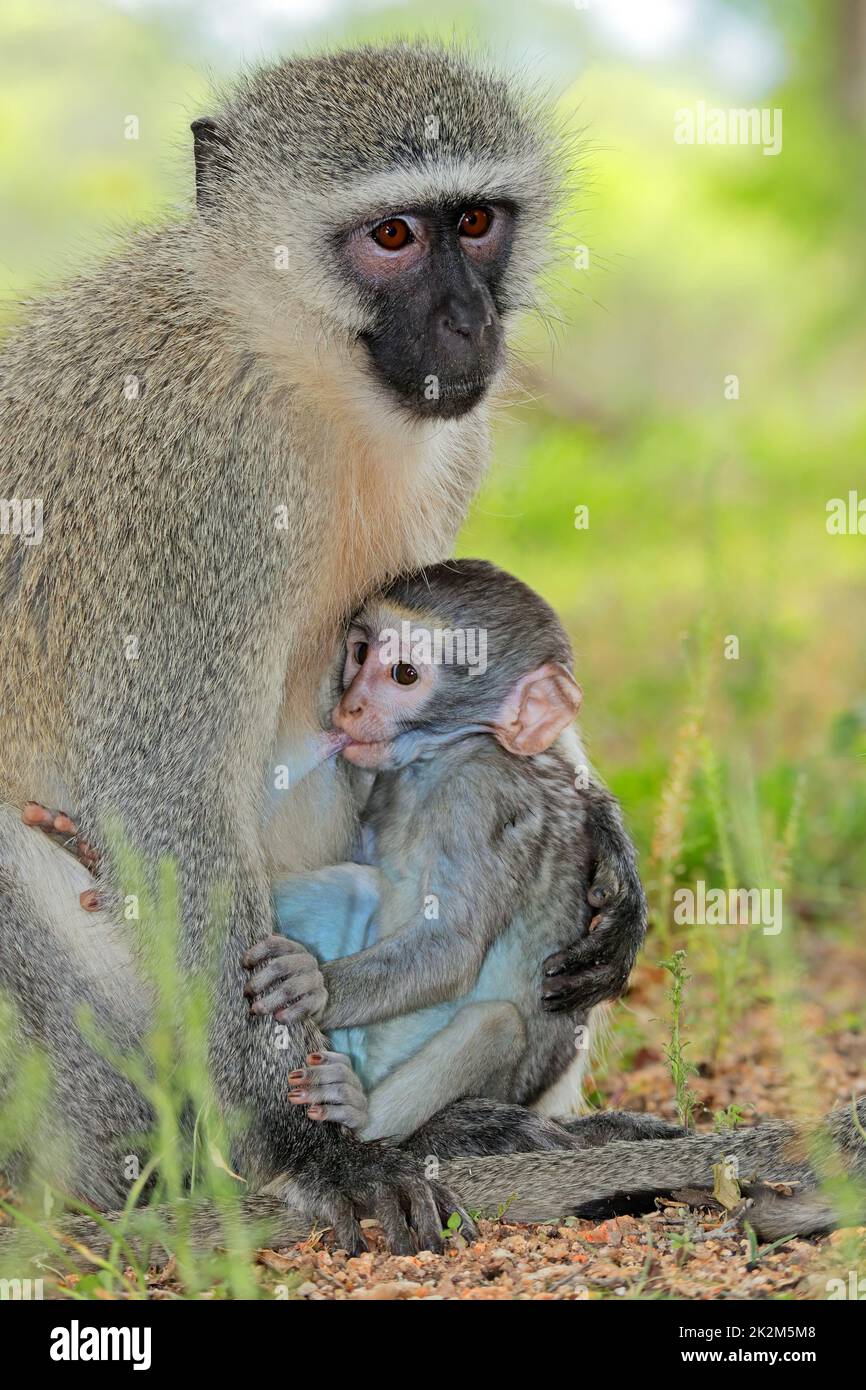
285	980
61	826
331	1089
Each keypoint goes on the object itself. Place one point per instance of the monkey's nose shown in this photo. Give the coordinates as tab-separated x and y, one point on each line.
463	323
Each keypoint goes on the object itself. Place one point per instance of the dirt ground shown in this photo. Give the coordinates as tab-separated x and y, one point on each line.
680	1251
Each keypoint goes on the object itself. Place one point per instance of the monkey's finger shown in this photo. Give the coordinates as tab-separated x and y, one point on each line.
586	990
271	946
87	855
337	1105
328	1074
348	1115
39	817
582	973
558	964
448	1205
348	1235
386	1209
605	887
311	1006
320	1059
337	1094
300	991
283	968
600	946
426	1220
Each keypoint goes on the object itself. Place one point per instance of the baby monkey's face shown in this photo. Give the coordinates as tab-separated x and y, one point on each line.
412	685
386	689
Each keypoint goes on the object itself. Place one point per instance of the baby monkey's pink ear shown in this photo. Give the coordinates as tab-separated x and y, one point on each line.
540	705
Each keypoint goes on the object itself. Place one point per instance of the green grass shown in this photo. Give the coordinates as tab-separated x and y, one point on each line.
179	1158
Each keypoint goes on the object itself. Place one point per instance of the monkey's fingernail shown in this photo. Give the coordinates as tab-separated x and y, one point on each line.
595	921
552	991
63	824
299	1097
316	1112
89	900
296	1076
314	1058
33	813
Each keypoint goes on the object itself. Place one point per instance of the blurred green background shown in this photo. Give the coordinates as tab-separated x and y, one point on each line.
707	515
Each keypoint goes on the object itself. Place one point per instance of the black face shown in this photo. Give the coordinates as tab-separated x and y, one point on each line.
434	277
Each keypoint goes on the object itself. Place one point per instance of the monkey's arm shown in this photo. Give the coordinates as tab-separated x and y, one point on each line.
321	915
471	859
468	861
421	964
597	966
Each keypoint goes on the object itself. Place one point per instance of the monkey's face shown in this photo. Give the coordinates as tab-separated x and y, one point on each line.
432	279
405	696
383	695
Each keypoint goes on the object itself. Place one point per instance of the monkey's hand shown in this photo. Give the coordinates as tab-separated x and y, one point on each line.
377	1181
285	980
329	1086
62	827
598	966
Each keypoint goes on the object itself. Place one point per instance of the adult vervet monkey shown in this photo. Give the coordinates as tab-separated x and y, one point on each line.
238	426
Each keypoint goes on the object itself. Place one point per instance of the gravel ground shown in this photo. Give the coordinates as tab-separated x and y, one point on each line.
679	1251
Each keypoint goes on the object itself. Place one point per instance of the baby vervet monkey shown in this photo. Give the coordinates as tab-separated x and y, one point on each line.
434	961
480	838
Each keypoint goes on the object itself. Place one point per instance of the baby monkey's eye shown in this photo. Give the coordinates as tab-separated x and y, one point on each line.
475	222
361	650
393	234
404	674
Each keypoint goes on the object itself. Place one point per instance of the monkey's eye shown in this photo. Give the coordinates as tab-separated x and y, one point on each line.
393	235
404	674
361	650
475	222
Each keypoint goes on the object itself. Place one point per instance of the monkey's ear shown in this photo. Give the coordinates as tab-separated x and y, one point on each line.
540	705
209	146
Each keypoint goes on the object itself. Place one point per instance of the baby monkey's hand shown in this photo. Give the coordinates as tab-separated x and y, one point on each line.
329	1086
285	980
597	966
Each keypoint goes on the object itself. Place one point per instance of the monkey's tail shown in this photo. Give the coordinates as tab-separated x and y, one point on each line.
628	1173
541	1186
